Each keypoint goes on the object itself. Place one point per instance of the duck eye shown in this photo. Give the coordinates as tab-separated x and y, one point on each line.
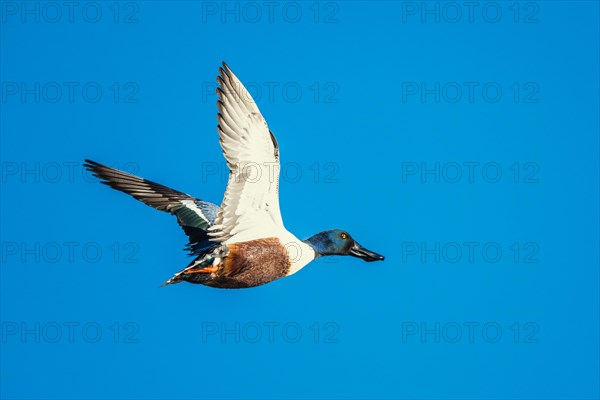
344	235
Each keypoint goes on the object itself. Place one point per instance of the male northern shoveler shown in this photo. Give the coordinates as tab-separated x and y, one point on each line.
243	243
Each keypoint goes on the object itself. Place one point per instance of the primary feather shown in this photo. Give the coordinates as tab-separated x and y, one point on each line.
194	215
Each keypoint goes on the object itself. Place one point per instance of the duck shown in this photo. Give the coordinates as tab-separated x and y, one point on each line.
242	243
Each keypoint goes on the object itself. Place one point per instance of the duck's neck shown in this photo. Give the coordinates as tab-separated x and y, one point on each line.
319	244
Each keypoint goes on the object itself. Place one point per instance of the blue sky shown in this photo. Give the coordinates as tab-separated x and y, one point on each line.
460	142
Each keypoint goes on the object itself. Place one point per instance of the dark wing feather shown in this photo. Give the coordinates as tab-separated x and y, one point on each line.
194	215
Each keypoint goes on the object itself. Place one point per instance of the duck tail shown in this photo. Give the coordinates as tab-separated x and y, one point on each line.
173	280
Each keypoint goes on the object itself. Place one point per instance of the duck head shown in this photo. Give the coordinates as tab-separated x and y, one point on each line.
336	242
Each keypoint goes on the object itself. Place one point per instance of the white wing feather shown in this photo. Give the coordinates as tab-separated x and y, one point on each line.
250	208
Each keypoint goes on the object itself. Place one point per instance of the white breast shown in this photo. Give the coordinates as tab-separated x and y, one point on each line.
299	252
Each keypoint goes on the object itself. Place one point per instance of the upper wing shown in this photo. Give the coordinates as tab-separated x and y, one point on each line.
195	216
251	202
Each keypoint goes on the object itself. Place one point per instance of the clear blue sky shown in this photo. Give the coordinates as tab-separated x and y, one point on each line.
461	143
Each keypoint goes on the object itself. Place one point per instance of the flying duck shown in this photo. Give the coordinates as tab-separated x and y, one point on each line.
243	243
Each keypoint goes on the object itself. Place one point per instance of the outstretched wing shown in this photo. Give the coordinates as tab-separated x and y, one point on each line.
250	208
195	216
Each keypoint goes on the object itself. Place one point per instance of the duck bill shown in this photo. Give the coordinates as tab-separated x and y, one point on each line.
358	251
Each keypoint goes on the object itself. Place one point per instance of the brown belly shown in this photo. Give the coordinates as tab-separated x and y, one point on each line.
252	263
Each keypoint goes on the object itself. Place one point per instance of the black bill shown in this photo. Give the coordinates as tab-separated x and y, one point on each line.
358	251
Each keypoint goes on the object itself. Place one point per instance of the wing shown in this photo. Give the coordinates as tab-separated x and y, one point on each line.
195	216
251	202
